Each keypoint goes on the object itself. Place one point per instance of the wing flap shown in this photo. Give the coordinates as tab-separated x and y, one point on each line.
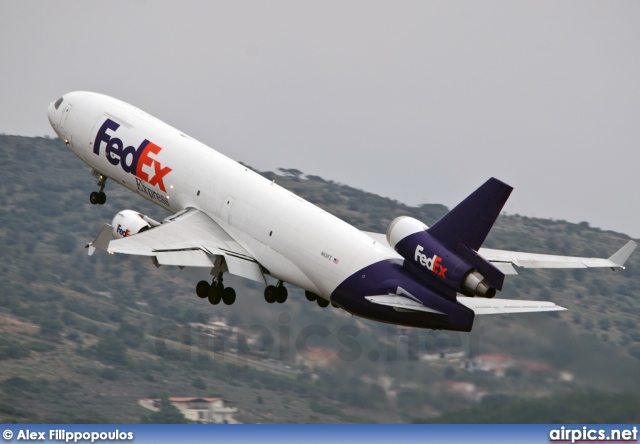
186	258
482	306
245	268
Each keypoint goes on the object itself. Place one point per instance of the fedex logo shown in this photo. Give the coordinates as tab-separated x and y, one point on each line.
122	232
132	160
430	263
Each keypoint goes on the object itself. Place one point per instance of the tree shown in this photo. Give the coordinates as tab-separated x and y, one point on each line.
291	172
199	384
168	414
111	350
131	335
51	327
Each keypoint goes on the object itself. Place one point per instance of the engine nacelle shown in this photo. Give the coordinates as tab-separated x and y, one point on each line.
427	258
129	222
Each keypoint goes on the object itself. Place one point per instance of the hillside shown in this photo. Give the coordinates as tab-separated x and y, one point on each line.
82	338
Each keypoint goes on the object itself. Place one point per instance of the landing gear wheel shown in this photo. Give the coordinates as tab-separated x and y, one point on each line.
98	197
202	289
229	296
270	294
215	294
281	294
310	296
322	302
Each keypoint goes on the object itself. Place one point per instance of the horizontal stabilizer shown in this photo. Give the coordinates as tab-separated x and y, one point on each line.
482	306
401	303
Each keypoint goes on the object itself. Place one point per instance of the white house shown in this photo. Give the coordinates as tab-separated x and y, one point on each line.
209	410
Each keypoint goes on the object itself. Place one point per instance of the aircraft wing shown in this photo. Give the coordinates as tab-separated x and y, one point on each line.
482	306
504	259
190	238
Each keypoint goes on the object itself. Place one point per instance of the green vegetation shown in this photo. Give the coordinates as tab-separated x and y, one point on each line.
572	408
83	338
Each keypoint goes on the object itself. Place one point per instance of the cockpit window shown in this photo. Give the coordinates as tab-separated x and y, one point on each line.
58	102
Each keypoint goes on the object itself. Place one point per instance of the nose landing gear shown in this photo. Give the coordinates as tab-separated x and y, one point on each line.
99	197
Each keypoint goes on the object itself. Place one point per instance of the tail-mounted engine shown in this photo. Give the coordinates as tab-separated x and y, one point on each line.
461	269
129	222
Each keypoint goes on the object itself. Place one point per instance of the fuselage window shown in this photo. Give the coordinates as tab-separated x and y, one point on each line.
58	102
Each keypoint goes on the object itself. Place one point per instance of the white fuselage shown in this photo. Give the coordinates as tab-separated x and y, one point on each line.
293	239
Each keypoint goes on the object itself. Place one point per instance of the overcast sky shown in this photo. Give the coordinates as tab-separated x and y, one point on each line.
418	101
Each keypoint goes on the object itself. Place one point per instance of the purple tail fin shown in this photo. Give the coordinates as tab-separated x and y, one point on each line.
470	221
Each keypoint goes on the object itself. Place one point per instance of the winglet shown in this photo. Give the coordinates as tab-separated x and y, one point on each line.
102	240
621	256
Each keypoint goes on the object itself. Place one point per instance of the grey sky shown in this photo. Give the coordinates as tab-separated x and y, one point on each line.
419	101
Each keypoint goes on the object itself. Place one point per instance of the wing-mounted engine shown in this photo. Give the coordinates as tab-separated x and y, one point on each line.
124	224
427	258
128	222
189	238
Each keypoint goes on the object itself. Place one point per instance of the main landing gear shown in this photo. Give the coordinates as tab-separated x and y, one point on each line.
216	292
276	293
99	197
314	297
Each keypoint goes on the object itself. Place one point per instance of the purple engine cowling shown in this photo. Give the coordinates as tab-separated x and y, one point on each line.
428	258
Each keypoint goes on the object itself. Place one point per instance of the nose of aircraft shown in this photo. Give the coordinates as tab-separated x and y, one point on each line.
50	112
53	114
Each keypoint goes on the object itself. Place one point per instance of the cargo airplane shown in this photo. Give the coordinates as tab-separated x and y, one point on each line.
229	219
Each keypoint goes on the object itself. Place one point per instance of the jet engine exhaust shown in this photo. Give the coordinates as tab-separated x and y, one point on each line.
473	285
